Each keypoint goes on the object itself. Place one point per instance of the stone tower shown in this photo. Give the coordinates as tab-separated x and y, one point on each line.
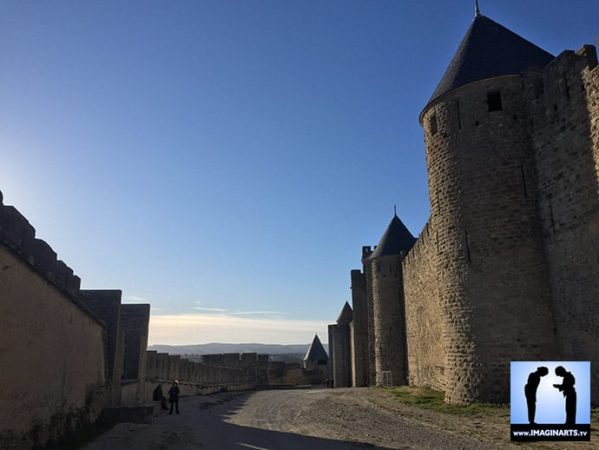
359	329
366	270
388	304
340	348
495	300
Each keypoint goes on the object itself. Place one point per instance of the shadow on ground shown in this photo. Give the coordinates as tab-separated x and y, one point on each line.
204	424
244	437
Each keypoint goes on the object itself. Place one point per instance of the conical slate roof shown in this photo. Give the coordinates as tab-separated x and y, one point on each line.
396	239
489	50
316	352
346	315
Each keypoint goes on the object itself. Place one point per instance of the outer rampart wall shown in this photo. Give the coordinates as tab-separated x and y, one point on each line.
564	104
43	330
424	316
162	368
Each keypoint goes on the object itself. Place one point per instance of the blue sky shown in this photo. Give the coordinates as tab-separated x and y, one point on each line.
226	160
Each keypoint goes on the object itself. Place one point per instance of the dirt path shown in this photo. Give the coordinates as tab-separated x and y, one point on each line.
327	419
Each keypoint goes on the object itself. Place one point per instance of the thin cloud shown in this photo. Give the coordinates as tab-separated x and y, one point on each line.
209	310
134	298
202	328
256	313
227	312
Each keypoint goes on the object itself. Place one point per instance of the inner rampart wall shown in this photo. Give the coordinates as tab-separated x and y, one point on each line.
564	104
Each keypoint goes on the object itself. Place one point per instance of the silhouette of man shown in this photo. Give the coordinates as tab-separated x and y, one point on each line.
530	390
567	388
173	396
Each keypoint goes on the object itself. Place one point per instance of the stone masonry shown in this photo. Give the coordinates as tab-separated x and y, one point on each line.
507	266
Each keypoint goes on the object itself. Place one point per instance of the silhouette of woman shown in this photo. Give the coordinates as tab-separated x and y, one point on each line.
567	388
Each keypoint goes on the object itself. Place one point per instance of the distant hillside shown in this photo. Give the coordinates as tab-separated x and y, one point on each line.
206	349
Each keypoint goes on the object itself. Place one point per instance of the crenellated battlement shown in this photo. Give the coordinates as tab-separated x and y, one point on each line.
420	244
19	236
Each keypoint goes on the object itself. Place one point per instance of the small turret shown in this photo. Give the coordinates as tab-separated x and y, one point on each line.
390	357
396	239
316	355
345	317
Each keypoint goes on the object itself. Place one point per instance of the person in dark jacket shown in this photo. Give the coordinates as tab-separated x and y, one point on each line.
173	396
158	396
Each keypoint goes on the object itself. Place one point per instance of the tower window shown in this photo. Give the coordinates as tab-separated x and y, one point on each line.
433	124
494	101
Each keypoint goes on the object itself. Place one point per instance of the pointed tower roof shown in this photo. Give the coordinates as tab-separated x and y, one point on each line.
316	351
396	239
489	50
346	315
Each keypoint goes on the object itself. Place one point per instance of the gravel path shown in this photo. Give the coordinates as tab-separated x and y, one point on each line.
315	419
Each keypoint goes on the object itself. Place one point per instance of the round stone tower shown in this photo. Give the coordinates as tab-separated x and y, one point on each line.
389	320
491	267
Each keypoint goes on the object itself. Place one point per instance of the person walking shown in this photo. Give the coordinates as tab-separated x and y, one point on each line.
173	396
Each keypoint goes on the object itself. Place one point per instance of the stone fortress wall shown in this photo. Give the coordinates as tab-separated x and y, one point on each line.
230	371
507	267
388	311
52	362
68	355
359	335
216	372
424	330
516	232
564	97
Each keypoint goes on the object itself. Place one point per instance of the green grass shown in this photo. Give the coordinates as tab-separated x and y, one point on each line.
430	399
